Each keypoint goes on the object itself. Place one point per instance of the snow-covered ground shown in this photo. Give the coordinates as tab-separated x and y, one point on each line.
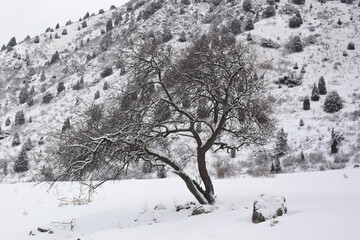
321	205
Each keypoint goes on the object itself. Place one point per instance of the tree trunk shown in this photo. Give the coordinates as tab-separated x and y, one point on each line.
209	189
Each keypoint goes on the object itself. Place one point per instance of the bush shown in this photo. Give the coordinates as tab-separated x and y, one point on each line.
87	15
294	22
101	11
223	168
97	94
306	103
185	2
167	35
295	44
269	12
28	145
333	102
22	162
106	86
36	39
281	145
7	122
107	72
66	125
19	118
84	24
106	41
351	46
47	98
182	37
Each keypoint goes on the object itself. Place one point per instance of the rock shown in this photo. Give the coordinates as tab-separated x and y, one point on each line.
184	206
202	209
356	166
43	230
268	207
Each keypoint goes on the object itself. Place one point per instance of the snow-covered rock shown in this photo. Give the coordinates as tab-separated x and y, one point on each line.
268	207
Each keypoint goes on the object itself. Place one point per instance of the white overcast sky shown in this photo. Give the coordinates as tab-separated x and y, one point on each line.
20	18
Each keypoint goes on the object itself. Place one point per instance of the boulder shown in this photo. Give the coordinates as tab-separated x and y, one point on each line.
202	209
268	207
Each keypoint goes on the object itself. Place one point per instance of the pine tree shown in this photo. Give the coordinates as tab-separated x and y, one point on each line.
303	70
315	93
28	145
333	102
64	32
60	87
97	94
12	42
109	25
55	57
42	77
281	145
36	39
22	162
106	86
66	125
87	15
41	140
19	118
84	24
47	98
23	95
182	37
351	46
301	123
16	140
306	103
7	122
294	22
247	5
249	25
57	26
322	86
296	66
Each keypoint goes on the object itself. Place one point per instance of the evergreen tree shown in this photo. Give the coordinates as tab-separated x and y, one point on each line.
235	26
3	47
101	11
97	94
87	15
315	93
7	122
19	118
269	11
296	44
301	123
5	168
303	70
42	77
23	95
249	37
298	2
12	42
57	26
41	140
306	103
64	32
351	46
22	162
247	5
249	25
322	86
333	102
296	66
281	145
84	24
57	36
55	57
106	86
66	125
28	145
47	98
182	37
185	2
109	25
16	140
60	87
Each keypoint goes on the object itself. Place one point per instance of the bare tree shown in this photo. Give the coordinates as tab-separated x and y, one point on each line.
212	99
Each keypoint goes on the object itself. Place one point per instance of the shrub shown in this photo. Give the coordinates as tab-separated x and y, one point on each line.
223	168
306	103
182	37
19	118
112	7
97	94
28	144
87	15
315	94
47	98
57	26
269	12
322	86
333	102
294	22
107	72
66	125
36	39
106	41
295	44
351	46
84	24
101	11
167	35
22	162
7	122
301	123
185	2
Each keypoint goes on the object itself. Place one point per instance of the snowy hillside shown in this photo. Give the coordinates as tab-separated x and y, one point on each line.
87	47
321	205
